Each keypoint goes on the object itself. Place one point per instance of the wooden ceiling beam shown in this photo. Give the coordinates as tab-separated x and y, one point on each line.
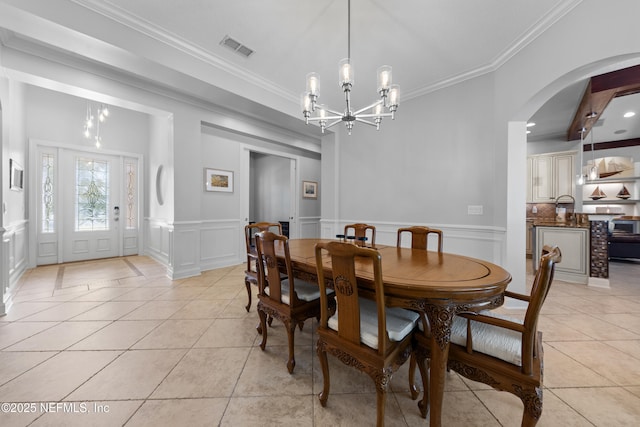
599	92
633	142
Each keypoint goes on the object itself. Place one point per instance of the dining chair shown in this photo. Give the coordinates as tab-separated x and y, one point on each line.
360	231
251	273
420	236
500	351
287	299
362	333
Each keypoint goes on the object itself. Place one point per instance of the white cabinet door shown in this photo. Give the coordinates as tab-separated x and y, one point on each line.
550	176
564	177
542	179
574	245
529	179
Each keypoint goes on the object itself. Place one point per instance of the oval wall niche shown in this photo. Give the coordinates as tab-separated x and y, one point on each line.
160	185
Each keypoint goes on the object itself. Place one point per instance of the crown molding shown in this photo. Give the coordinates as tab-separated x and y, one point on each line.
162	35
520	43
168	38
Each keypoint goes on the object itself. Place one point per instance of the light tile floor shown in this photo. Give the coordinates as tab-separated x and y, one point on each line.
114	342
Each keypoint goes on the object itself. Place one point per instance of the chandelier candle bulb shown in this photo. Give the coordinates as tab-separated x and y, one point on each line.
346	73
322	113
313	84
394	98
305	101
384	79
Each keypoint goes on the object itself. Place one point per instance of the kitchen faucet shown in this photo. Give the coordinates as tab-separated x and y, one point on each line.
561	217
573	201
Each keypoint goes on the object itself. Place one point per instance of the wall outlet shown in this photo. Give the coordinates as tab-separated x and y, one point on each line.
474	210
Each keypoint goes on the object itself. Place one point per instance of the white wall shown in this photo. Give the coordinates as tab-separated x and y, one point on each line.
424	168
14	223
223	214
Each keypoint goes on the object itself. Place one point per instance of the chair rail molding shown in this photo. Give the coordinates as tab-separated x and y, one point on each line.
483	242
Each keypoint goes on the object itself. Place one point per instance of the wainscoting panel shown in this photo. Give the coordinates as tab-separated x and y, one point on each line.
190	247
157	239
220	244
309	227
186	249
14	260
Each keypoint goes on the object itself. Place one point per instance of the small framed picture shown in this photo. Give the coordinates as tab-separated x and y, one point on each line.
309	190
16	176
218	180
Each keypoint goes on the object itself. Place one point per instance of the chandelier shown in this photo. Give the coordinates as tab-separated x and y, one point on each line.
103	113
372	114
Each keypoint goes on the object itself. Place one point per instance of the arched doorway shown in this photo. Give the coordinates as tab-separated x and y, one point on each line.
516	157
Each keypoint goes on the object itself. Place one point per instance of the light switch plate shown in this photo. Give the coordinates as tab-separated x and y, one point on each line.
474	210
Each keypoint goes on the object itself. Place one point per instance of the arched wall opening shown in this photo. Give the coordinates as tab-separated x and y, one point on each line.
517	154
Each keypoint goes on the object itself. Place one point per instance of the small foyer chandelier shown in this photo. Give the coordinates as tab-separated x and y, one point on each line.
103	113
372	114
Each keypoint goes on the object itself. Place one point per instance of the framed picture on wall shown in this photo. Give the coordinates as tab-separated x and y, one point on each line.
309	190
218	180
16	176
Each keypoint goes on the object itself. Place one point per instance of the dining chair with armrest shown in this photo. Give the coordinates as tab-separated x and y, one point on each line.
362	333
292	301
251	273
503	352
360	231
420	236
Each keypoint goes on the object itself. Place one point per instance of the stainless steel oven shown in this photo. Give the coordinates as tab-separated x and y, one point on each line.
627	225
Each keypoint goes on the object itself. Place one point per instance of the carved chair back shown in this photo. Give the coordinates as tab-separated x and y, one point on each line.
361	230
420	236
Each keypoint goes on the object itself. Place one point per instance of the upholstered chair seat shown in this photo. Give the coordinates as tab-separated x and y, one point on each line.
400	322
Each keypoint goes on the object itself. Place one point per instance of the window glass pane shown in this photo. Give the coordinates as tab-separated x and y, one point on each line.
92	195
131	212
47	206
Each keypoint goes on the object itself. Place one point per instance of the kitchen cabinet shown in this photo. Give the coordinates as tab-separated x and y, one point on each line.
550	175
574	244
529	237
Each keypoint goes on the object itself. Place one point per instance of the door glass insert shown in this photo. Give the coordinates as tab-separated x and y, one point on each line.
132	209
47	206
92	195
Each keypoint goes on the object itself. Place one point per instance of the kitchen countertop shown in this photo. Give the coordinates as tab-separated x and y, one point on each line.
563	224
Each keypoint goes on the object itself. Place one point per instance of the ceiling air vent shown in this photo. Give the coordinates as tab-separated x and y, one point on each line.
236	46
598	123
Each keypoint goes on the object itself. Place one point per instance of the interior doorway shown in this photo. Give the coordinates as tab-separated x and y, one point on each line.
270	189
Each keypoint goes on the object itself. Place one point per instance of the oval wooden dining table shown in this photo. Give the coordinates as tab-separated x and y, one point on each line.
439	285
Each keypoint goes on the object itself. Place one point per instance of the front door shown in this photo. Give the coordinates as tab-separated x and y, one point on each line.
88	205
91	203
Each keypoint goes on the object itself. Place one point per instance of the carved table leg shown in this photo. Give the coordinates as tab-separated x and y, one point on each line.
440	319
